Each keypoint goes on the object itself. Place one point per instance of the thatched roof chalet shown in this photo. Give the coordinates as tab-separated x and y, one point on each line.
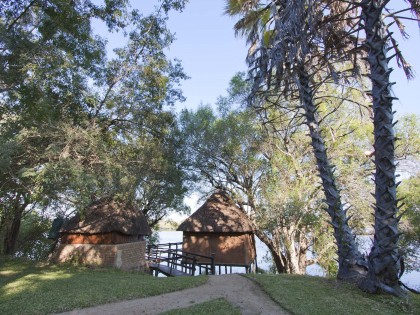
219	214
106	216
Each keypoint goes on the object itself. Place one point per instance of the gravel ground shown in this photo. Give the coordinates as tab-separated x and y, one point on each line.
238	290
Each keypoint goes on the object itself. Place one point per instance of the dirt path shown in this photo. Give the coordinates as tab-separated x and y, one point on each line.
237	289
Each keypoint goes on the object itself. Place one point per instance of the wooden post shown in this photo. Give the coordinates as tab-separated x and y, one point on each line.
193	266
172	258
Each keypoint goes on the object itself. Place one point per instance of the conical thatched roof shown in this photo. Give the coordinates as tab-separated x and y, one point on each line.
218	214
107	215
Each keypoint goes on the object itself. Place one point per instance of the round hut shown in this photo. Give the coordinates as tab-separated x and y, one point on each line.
219	227
109	233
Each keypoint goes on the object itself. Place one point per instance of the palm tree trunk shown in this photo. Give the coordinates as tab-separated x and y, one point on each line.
384	258
351	263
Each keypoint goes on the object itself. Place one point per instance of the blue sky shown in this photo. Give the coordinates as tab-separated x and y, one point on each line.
211	54
209	51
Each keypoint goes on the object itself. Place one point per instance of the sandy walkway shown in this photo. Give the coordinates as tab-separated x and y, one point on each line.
238	290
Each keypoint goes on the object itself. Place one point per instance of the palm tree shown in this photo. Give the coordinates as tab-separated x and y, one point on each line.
384	258
285	38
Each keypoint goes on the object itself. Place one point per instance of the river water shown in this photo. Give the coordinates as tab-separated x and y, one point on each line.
411	279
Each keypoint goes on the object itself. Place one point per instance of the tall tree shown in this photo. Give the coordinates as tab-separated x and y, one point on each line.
288	52
235	152
385	256
44	58
75	124
231	153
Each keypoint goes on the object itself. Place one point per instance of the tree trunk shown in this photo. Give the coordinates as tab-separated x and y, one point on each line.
12	232
11	222
302	250
384	258
286	258
351	263
278	260
292	250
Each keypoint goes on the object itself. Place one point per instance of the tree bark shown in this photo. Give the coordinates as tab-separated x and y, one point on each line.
292	250
384	259
12	232
351	264
278	260
302	240
11	222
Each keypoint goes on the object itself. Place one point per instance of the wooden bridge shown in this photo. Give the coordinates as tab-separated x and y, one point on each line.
170	260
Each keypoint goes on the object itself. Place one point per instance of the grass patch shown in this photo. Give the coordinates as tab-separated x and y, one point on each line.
316	295
217	306
28	288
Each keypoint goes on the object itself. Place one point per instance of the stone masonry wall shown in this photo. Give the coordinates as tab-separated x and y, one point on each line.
123	256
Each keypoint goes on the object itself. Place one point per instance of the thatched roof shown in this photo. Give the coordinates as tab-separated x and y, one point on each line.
107	215
218	214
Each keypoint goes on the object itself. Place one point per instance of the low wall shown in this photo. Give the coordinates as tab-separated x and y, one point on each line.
123	256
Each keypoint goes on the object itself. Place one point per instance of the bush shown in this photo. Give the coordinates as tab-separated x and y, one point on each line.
32	242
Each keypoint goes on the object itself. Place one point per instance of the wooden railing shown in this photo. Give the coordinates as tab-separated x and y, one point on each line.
171	260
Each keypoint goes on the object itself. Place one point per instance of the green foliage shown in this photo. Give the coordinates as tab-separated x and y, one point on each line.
410	241
53	289
153	239
324	249
32	242
407	132
294	216
255	162
222	150
348	135
76	126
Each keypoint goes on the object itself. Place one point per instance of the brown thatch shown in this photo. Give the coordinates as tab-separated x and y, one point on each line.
218	214
106	216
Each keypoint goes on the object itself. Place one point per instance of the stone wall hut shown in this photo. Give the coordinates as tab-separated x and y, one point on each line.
219	227
109	234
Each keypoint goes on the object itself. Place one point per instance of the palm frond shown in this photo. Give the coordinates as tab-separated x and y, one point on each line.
415	8
251	23
239	7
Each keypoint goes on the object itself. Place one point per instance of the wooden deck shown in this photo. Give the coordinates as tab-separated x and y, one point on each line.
170	260
167	271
